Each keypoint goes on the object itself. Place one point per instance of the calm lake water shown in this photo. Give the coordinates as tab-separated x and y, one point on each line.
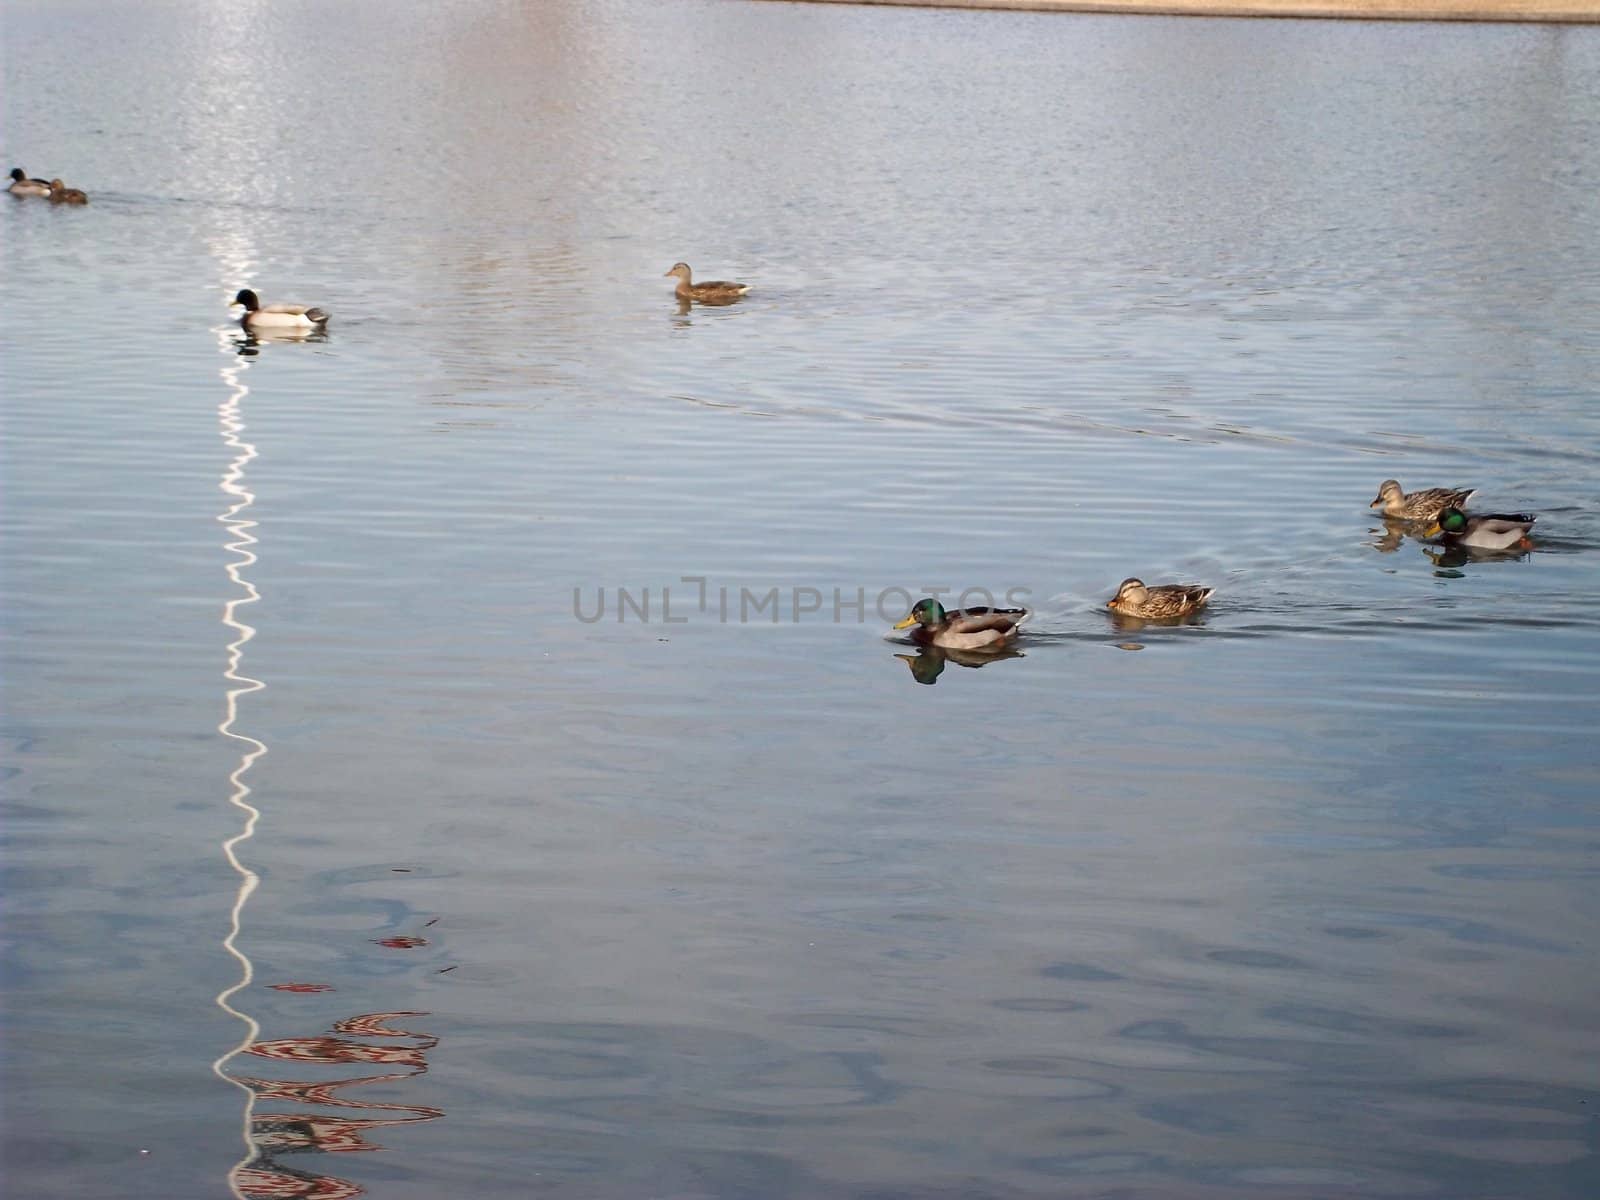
335	822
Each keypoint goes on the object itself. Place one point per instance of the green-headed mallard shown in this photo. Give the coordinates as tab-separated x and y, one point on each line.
964	629
706	293
277	316
60	193
1425	505
1134	599
21	185
1488	531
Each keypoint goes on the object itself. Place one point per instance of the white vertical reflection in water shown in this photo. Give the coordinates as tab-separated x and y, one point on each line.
238	685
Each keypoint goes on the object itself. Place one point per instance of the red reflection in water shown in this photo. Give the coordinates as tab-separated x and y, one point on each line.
339	1050
323	1093
375	1025
292	1185
281	1131
300	987
401	942
303	1132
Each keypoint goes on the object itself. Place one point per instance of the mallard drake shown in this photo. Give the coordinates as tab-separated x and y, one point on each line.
60	193
1425	505
1487	531
1134	599
964	629
21	185
277	316
710	292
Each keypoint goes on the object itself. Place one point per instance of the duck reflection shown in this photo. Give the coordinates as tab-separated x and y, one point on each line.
1455	555
683	309
1128	623
304	1131
1389	537
929	662
248	343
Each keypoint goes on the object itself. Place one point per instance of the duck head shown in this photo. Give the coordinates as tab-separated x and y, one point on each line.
1129	591
927	611
1388	490
1451	522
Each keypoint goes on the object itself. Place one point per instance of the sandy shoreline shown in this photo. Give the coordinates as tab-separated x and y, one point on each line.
1576	11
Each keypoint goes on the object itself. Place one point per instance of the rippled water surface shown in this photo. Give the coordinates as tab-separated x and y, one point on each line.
336	822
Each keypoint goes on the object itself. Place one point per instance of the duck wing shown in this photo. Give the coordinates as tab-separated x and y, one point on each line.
1432	501
1175	599
1502	522
311	313
980	620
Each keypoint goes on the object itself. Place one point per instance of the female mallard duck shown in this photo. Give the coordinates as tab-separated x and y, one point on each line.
710	292
21	185
277	316
964	629
1425	505
1134	599
1490	531
60	193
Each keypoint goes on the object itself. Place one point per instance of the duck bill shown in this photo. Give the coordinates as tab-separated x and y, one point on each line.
1113	602
906	623
1433	531
1378	503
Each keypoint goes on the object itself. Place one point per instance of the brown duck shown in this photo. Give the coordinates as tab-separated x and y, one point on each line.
711	292
1425	505
60	193
1134	599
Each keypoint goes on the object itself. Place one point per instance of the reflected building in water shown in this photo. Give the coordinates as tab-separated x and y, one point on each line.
278	1131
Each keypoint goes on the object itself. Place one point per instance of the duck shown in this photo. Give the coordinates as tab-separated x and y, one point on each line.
277	316
711	292
21	185
1135	599
60	193
1487	531
1425	505
964	629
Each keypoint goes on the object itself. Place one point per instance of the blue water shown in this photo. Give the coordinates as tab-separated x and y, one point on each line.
334	823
